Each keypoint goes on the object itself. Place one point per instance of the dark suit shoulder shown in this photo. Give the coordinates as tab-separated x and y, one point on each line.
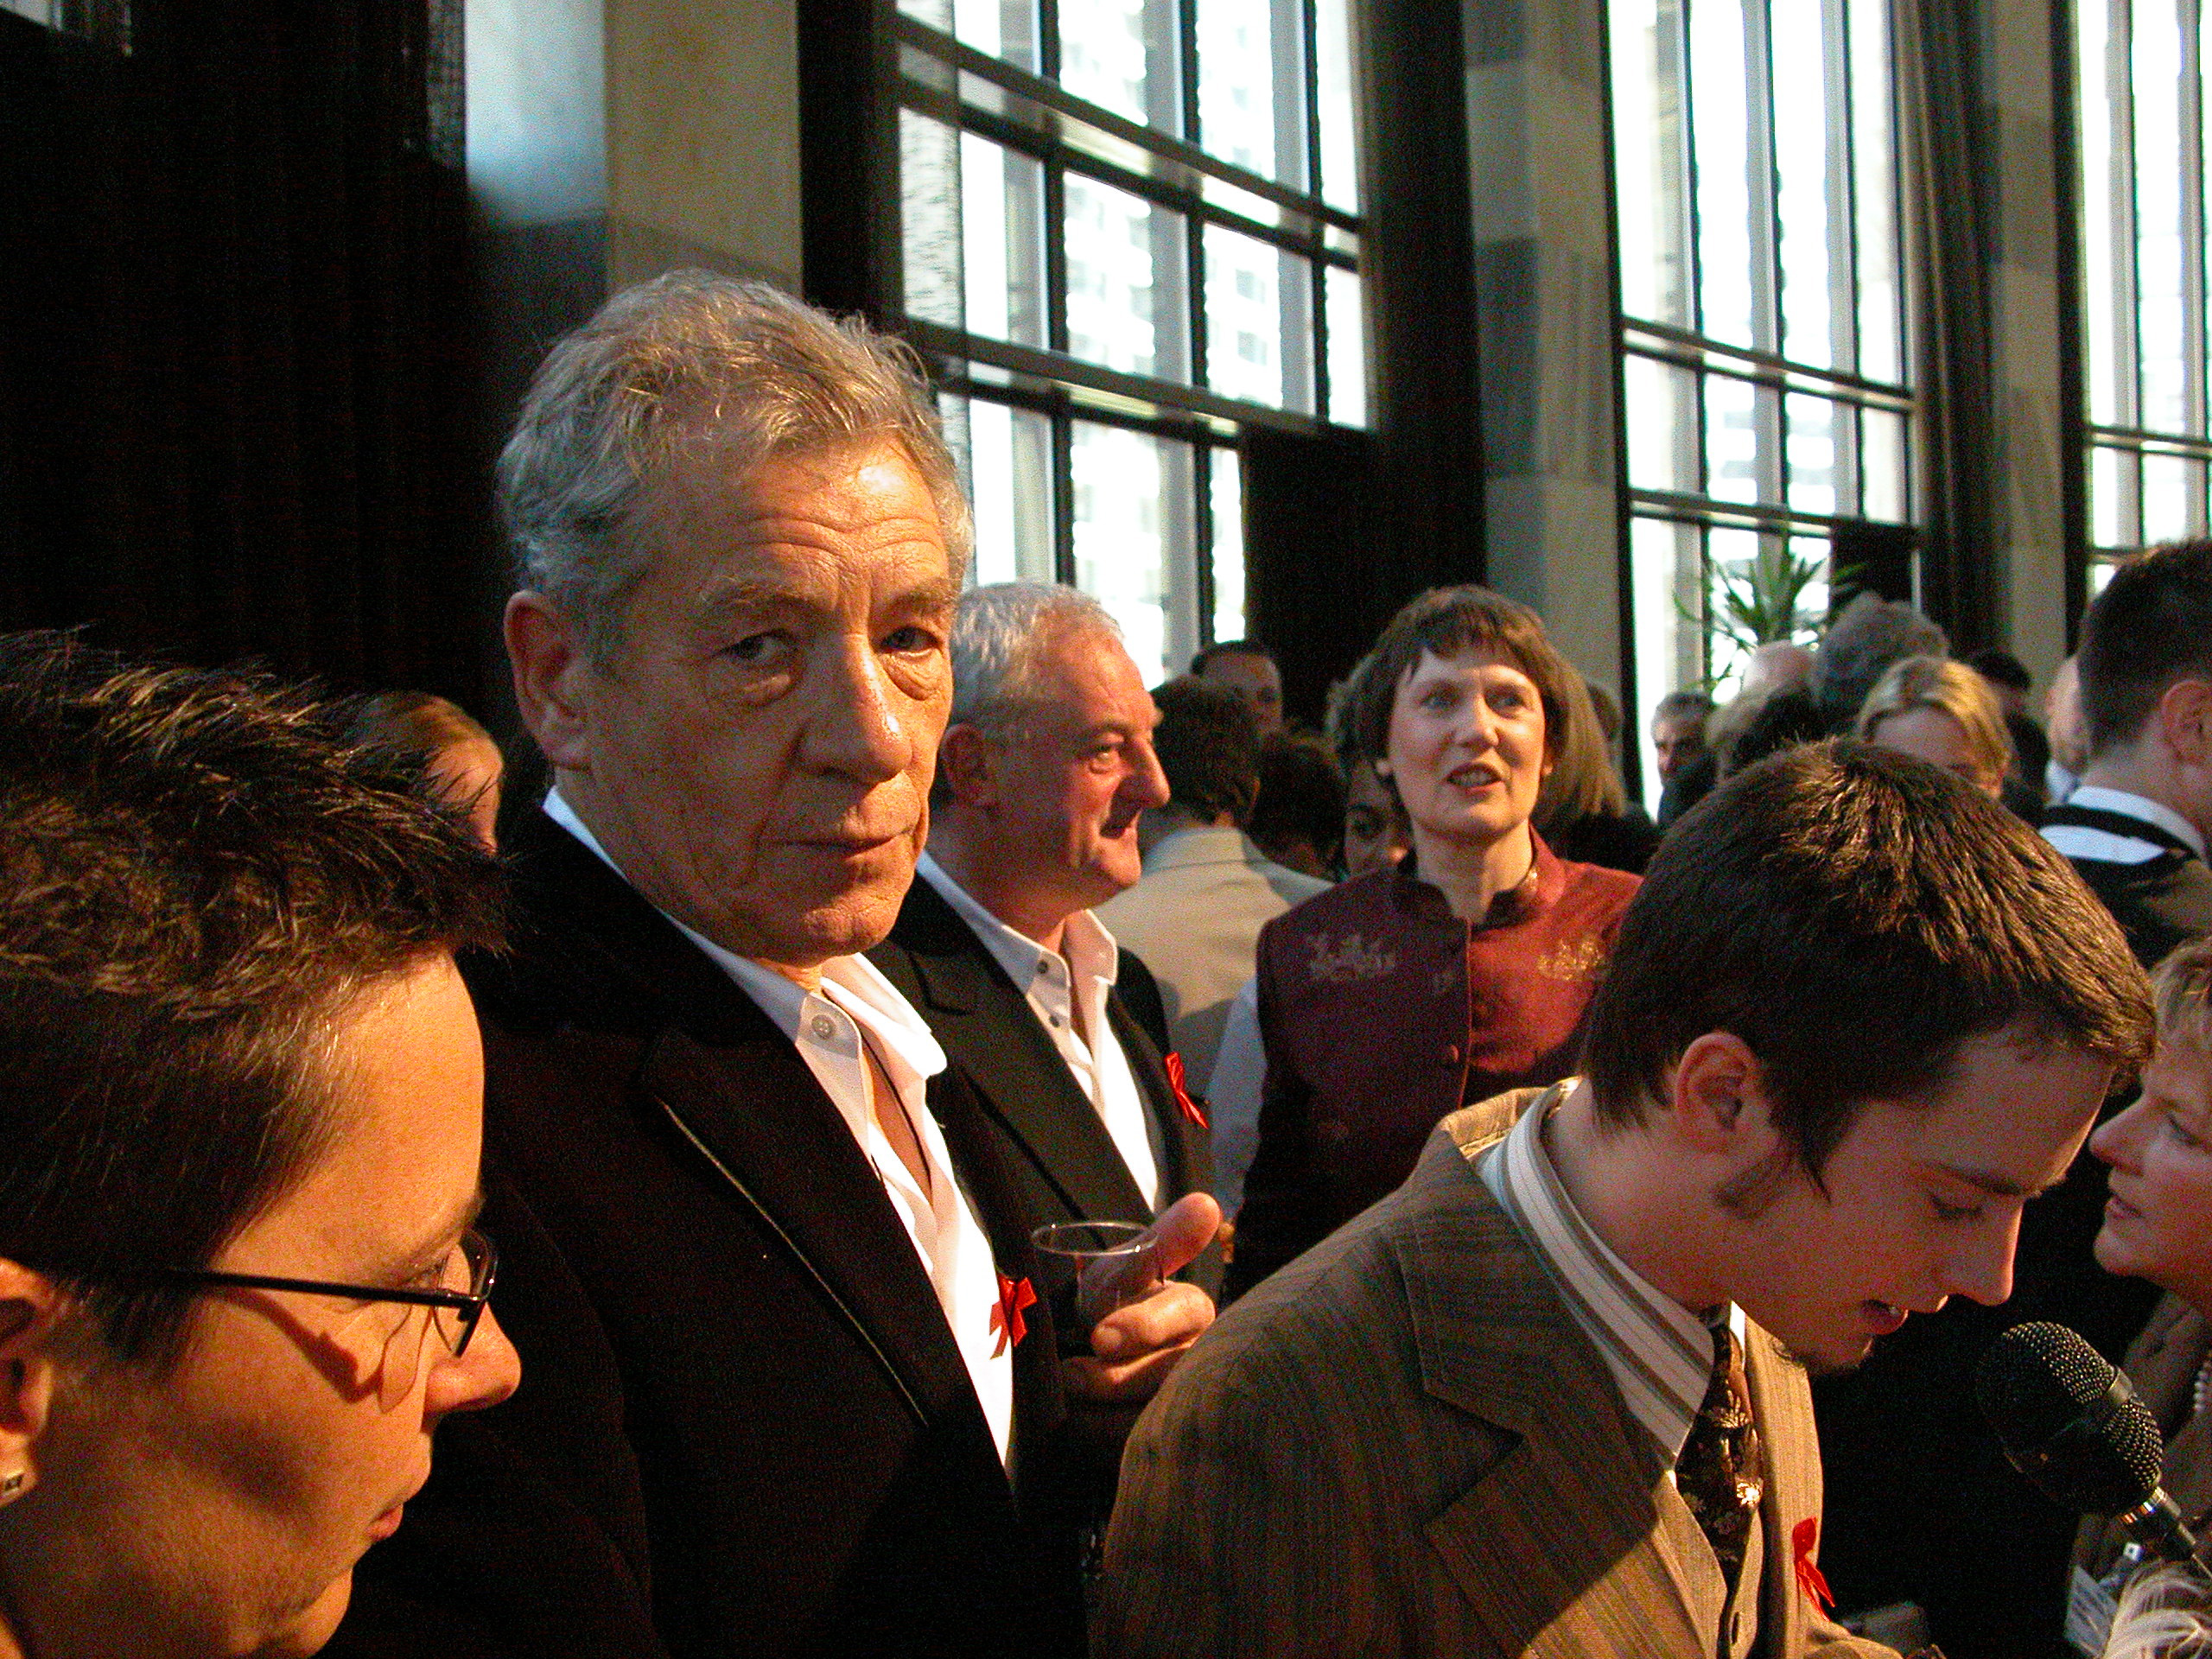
1140	993
2160	903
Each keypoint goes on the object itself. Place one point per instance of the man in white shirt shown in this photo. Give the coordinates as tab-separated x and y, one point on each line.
1046	767
794	1387
2136	825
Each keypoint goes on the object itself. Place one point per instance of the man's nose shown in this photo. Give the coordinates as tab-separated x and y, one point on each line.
1146	785
483	1376
860	722
1981	1267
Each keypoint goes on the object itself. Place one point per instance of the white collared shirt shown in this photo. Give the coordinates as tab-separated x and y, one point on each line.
1659	1353
1068	995
855	1004
2102	846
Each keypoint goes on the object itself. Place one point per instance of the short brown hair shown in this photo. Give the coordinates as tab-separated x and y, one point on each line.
1445	621
1854	916
198	873
1582	782
2151	626
1209	748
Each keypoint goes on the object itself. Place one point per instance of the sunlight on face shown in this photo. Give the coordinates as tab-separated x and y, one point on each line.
226	1501
2158	1220
1466	746
758	761
1921	1201
1930	735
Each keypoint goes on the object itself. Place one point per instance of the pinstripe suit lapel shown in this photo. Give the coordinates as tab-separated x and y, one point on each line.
1782	1403
1574	1505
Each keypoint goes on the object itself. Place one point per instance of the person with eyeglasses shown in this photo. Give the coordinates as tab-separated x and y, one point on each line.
241	1091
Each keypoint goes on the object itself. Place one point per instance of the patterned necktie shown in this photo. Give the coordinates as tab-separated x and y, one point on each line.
1717	1473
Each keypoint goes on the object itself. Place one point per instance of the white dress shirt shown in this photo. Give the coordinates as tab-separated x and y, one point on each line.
1068	995
858	1006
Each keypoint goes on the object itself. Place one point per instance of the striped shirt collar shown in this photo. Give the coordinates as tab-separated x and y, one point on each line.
1660	1354
2096	797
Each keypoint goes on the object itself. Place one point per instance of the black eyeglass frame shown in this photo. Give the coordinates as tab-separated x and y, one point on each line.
469	1304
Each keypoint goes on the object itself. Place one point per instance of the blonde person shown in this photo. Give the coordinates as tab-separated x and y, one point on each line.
462	760
1943	713
2158	1226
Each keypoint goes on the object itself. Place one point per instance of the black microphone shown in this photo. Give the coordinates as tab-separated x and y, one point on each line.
2070	1421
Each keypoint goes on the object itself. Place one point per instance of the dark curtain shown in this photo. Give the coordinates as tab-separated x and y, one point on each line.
235	374
1309	558
1417	257
1947	139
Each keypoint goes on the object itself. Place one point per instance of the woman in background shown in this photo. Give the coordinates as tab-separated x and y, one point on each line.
1392	999
2158	1226
1943	713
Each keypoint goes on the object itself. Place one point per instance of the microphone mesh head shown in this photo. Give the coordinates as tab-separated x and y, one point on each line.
2037	1378
2043	1388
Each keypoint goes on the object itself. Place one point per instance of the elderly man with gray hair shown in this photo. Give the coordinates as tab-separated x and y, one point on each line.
792	1382
1046	765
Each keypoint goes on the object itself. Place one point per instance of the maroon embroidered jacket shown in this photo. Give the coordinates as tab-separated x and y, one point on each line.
1381	1012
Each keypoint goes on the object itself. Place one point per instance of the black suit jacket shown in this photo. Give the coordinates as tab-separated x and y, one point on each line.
743	1428
2160	903
1049	1136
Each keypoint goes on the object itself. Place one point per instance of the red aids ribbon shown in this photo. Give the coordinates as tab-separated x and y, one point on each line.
1175	1075
1802	1539
1014	1294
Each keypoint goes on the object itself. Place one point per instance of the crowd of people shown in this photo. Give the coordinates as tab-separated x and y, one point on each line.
916	1143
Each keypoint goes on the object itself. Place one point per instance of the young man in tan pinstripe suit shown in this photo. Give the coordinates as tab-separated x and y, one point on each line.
1857	1016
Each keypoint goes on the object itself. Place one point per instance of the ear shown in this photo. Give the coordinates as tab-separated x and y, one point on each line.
550	674
967	764
30	1305
2184	717
1716	1098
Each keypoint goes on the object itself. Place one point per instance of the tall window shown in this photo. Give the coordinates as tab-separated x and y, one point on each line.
1766	396
1129	227
2141	71
107	22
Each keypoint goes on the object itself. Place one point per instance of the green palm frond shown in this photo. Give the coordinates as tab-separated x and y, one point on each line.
1757	602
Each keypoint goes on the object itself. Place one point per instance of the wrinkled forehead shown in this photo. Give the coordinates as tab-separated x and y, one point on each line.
1082	679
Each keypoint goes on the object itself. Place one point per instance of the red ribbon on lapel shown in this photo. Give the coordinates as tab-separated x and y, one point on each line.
1175	1075
1803	1540
1014	1294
